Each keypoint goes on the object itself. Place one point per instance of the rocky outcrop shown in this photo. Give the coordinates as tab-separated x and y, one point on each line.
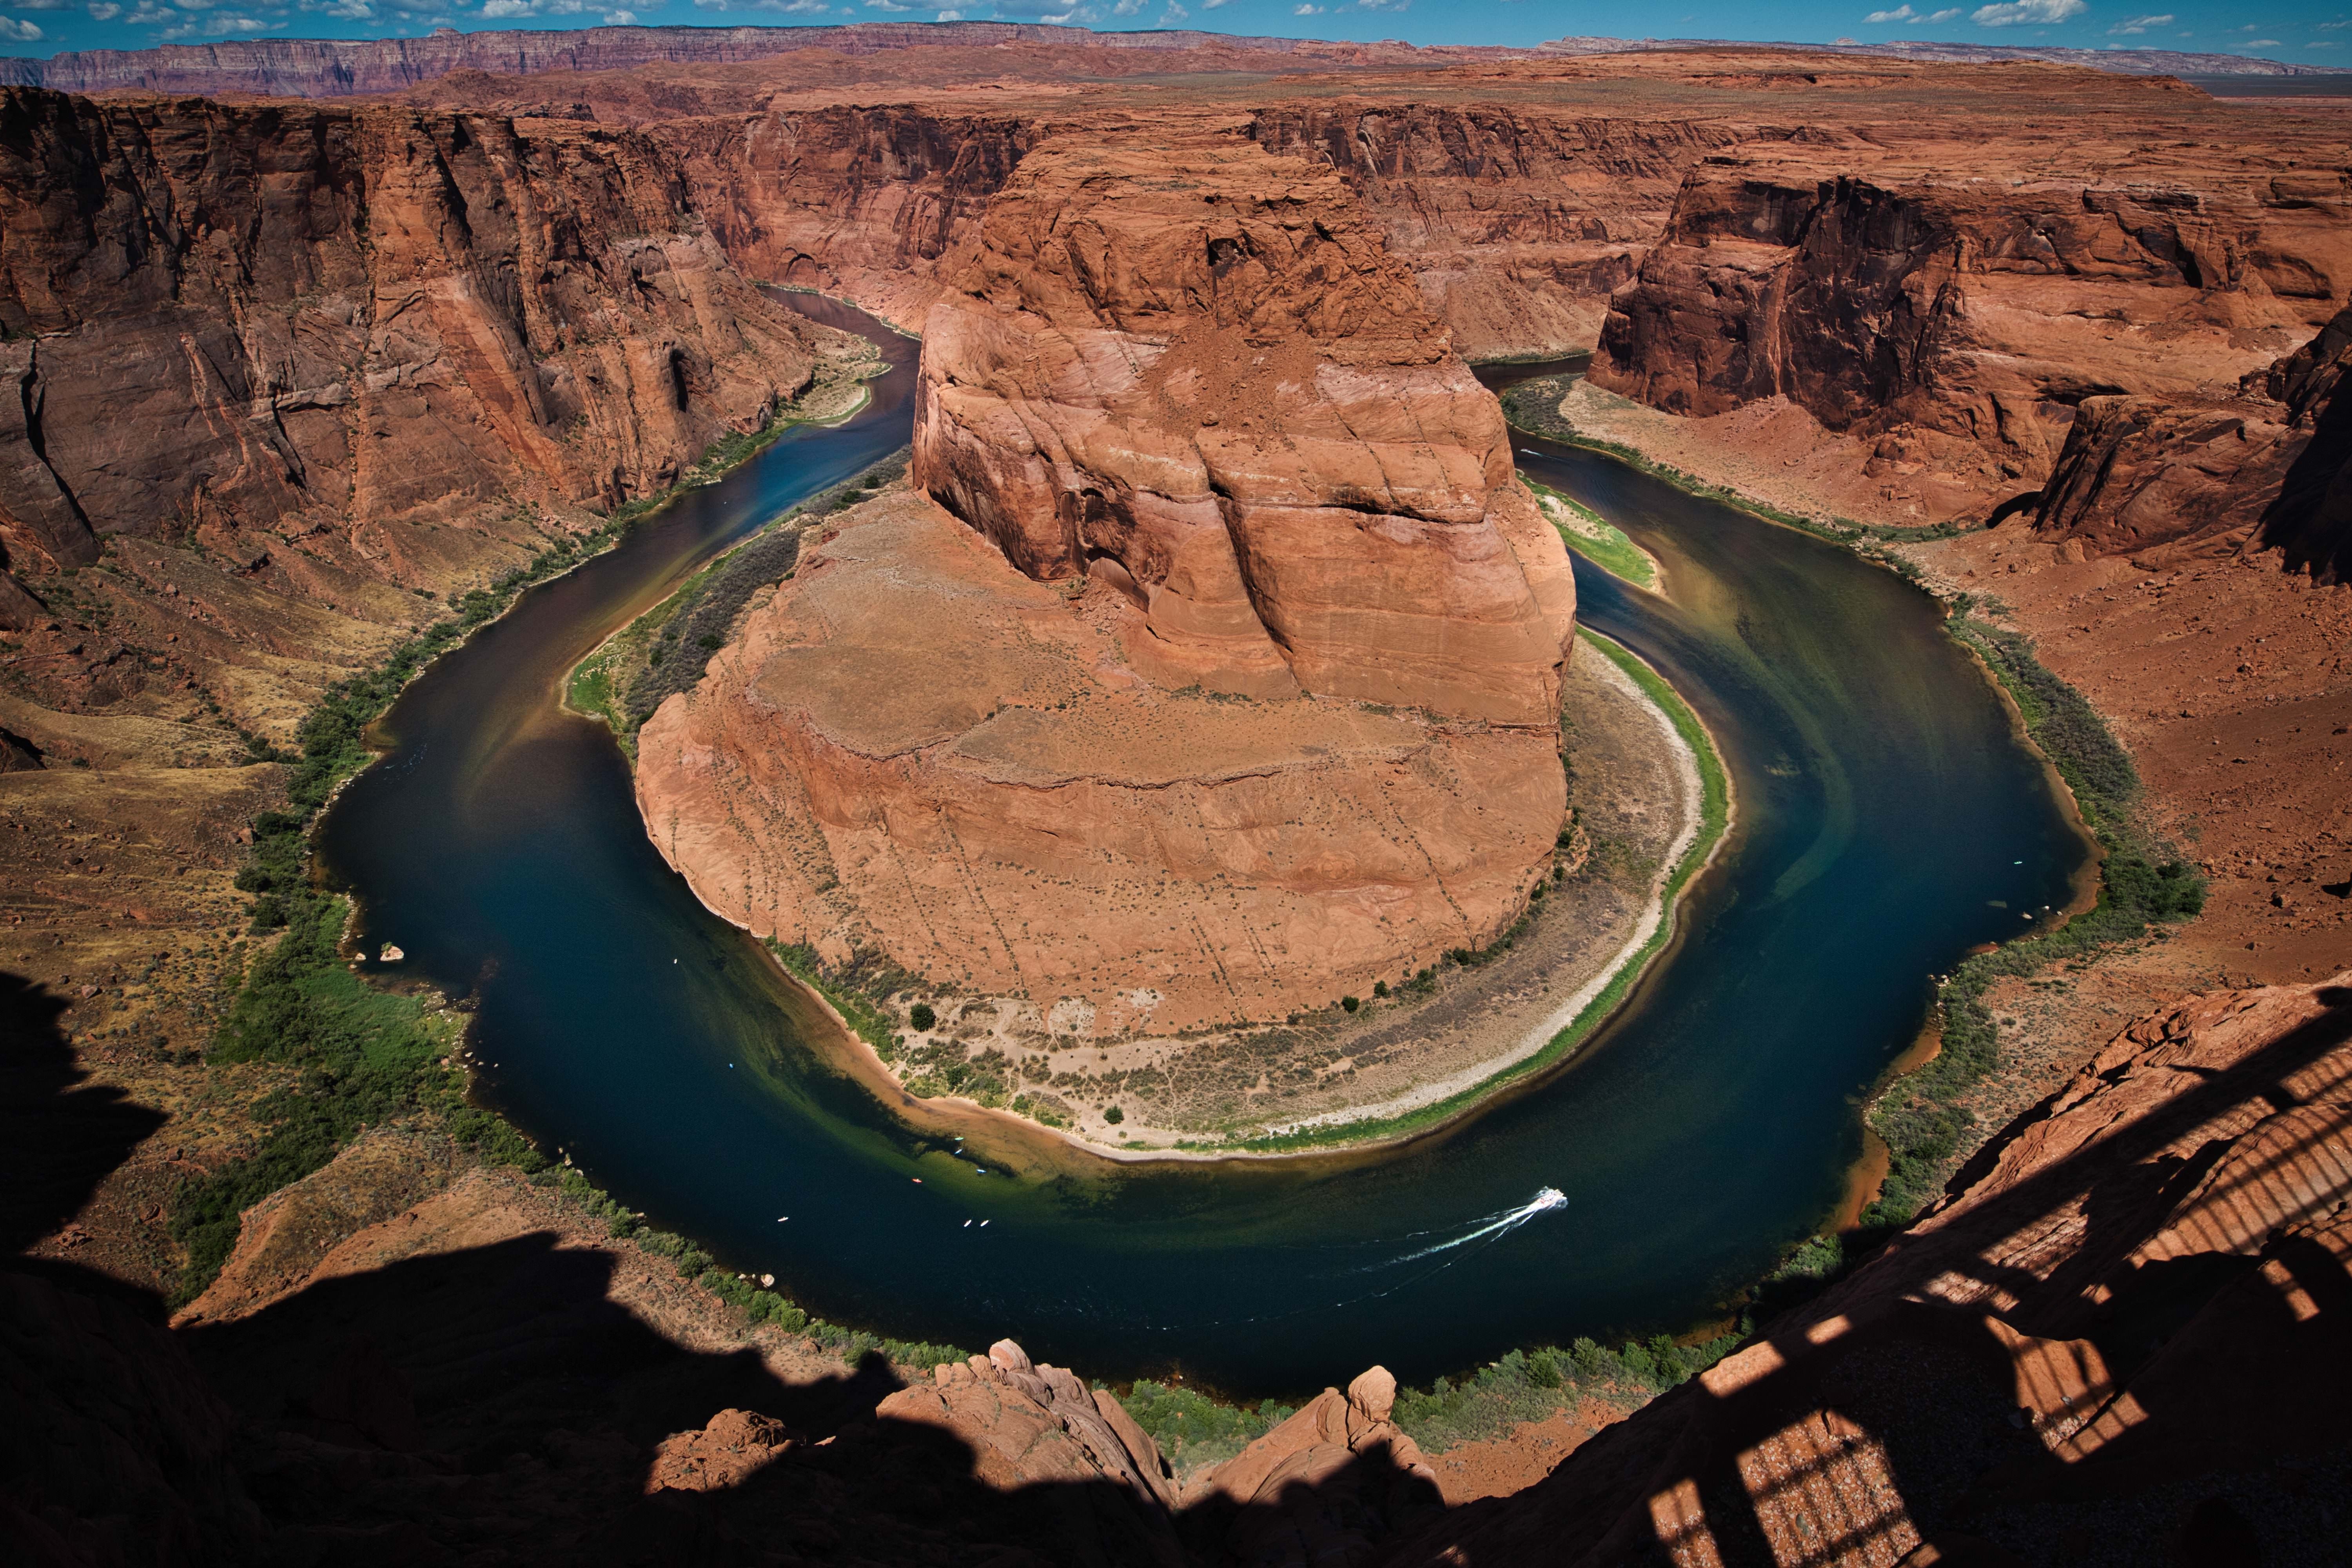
1195	369
2162	479
363	324
1186	385
1957	322
1031	1425
2129	1307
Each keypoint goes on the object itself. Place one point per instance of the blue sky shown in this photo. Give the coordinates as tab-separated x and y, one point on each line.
2313	34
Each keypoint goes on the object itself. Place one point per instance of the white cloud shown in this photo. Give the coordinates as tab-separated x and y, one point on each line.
2131	26
18	31
1939	17
105	11
228	27
1308	11
1212	5
2259	44
1901	14
2324	43
1384	4
1175	12
949	16
40	4
620	19
2334	26
792	7
2027	13
346	10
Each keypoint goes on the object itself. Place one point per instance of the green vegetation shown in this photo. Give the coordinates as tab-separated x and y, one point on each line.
360	1057
1529	1386
1595	538
2143	883
757	1304
1195	1431
921	1016
850	998
1714	816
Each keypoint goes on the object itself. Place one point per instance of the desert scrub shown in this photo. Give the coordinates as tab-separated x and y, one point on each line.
1195	1431
1530	1385
1594	537
361	1057
669	648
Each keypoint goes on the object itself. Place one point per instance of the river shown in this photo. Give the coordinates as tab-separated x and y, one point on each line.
1888	821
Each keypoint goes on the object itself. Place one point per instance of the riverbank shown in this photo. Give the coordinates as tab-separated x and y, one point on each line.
1937	1101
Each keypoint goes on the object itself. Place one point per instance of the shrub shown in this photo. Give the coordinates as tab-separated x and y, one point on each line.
1349	1002
1114	1115
920	1015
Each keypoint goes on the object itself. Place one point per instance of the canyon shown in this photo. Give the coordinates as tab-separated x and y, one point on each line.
297	376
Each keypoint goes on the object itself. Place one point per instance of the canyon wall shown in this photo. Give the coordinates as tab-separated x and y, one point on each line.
333	68
1957	322
1217	673
365	326
881	206
1197	367
1517	223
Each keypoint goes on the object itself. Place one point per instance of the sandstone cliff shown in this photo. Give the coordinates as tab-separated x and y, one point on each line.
1187	386
2161	479
364	324
1957	322
1196	369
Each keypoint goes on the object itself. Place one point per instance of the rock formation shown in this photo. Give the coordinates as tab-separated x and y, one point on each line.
2160	479
1185	383
1949	323
359	325
1195	369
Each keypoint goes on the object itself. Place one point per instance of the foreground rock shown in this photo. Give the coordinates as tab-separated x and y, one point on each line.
2126	1319
1288	724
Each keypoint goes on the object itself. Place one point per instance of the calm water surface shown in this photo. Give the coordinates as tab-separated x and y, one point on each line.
1884	812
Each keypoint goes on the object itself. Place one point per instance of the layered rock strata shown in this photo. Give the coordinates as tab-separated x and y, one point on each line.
228	321
1195	370
1221	678
2164	480
1950	326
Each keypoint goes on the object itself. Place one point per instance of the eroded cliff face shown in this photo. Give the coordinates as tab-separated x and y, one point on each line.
881	206
1196	370
2164	480
228	321
1959	321
1517	223
1093	727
